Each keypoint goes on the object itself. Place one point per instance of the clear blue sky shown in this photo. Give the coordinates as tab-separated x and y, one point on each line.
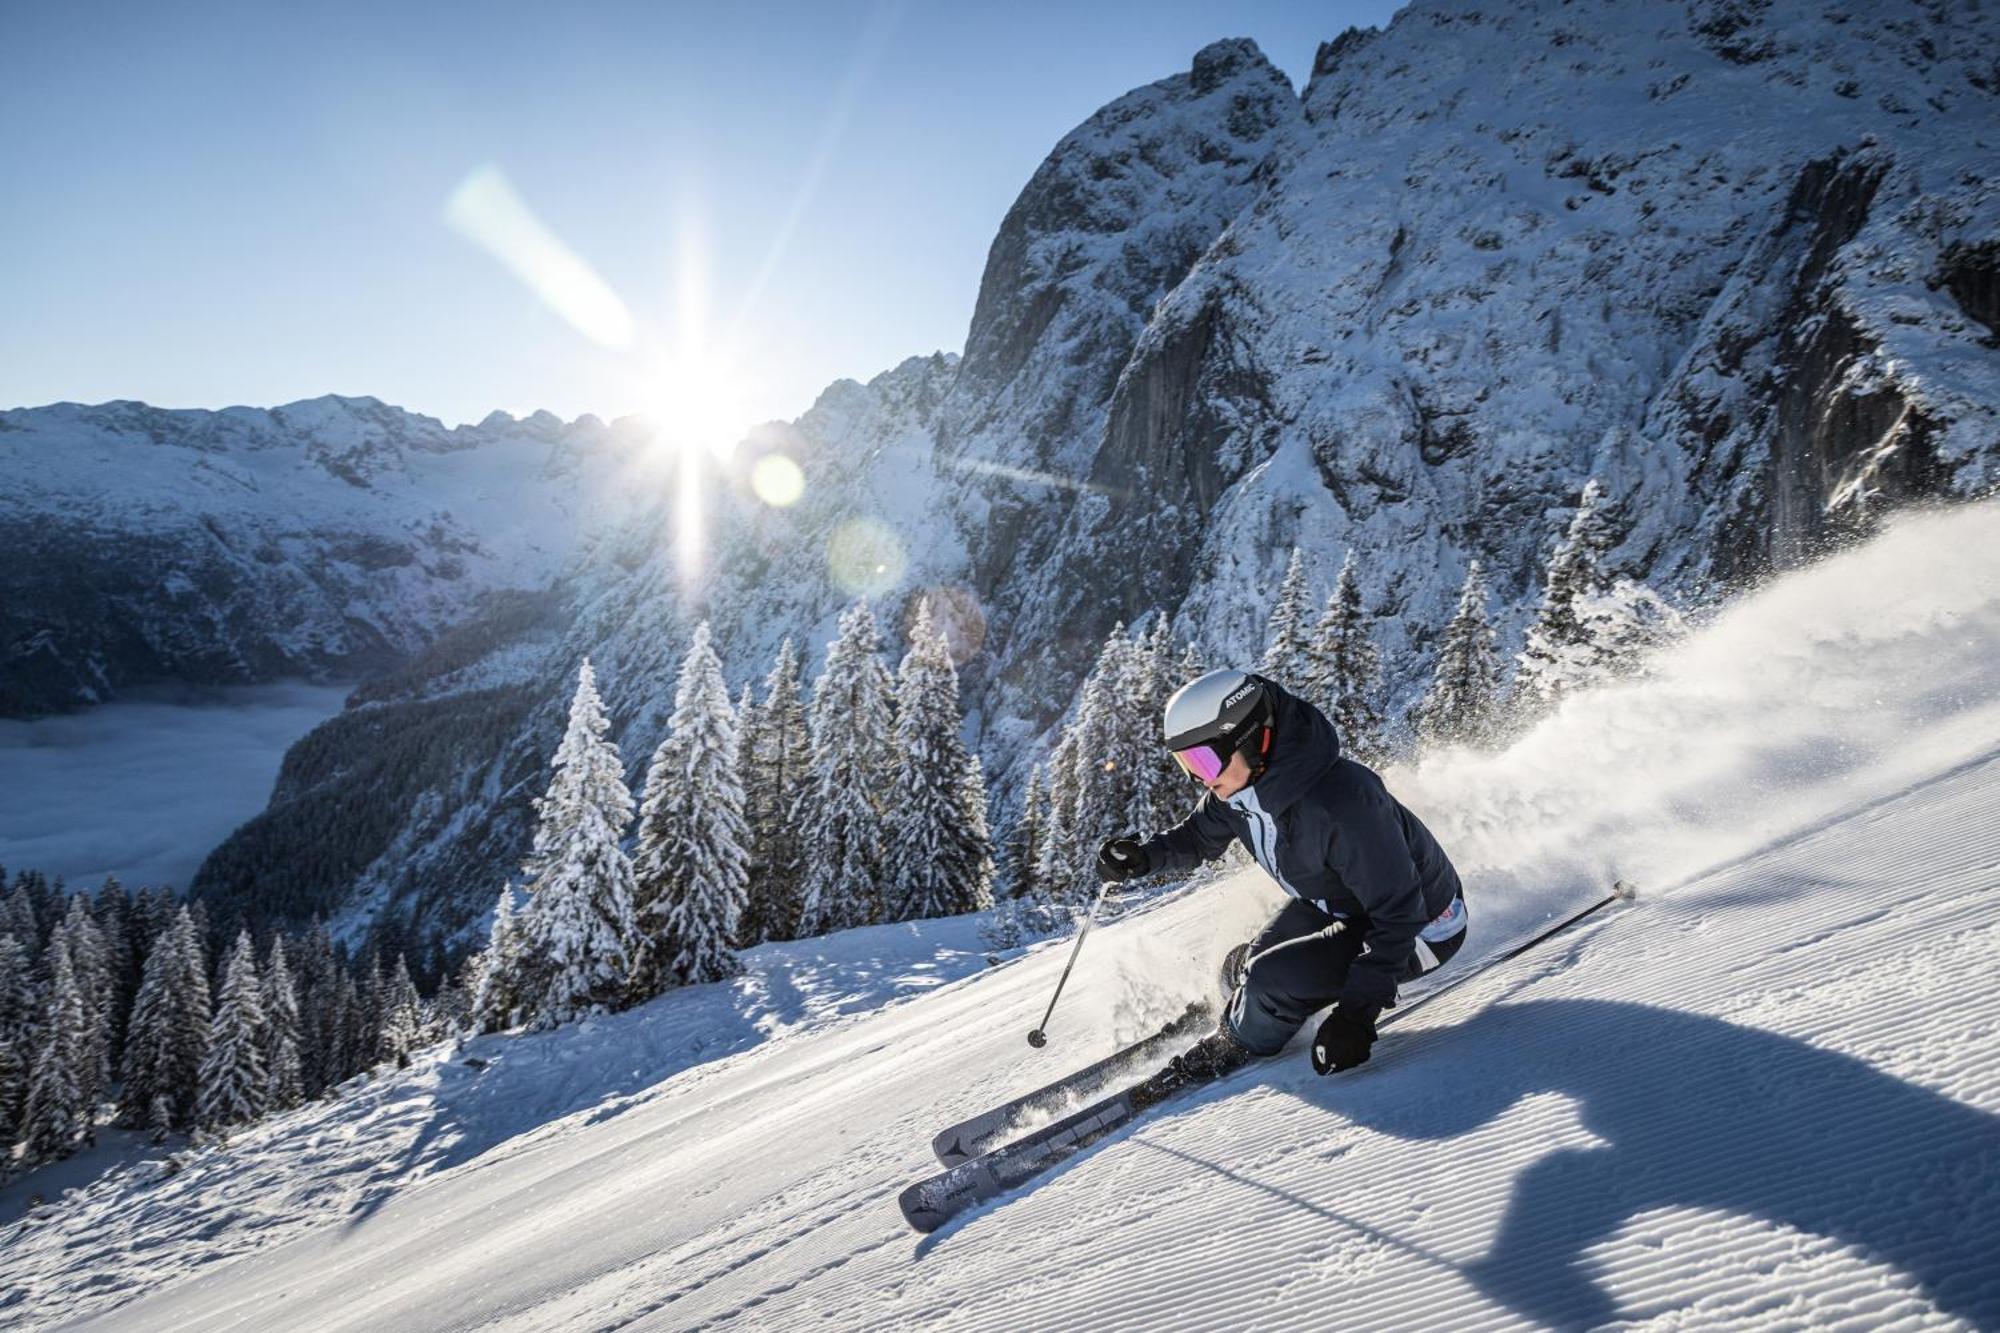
215	203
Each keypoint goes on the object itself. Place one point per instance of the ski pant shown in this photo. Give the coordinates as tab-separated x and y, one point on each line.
1288	985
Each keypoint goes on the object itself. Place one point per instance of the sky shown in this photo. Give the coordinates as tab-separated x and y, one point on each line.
220	203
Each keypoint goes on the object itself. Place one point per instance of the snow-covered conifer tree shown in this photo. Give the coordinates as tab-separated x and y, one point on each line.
1548	662
777	777
1620	629
92	968
1465	682
841	815
498	998
17	1001
17	918
1345	673
932	863
402	1015
345	1029
58	1114
168	1034
579	925
235	1085
1160	788
1055	880
690	864
281	1030
975	832
315	985
1105	742
111	909
1288	633
1020	863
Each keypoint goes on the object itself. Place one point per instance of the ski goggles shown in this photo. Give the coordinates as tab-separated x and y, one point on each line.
1203	763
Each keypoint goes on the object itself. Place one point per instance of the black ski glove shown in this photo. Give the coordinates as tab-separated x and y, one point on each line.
1122	858
1343	1039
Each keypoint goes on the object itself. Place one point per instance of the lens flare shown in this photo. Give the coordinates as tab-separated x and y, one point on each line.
487	211
865	558
777	481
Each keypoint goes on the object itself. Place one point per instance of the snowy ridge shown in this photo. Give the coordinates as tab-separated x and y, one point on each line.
1763	1095
327	536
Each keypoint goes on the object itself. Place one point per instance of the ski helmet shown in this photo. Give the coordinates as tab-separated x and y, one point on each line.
1213	717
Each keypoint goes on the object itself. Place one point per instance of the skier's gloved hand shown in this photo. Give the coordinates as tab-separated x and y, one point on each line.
1343	1040
1122	858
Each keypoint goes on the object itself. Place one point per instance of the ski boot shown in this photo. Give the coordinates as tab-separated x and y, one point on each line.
1209	1059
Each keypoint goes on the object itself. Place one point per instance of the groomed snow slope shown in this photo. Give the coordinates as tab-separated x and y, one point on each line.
1767	1094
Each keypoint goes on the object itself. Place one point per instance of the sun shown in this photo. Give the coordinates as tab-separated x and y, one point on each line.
696	401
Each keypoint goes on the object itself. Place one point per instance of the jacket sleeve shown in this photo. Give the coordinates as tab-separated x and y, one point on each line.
1202	836
1373	859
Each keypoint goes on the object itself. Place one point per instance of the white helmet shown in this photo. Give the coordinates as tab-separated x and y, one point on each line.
1212	717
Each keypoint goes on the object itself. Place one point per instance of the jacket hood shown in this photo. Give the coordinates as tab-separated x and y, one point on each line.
1304	745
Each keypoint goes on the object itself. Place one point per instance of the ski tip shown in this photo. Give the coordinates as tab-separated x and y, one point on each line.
1625	889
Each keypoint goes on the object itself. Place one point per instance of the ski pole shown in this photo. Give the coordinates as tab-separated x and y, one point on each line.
1040	1037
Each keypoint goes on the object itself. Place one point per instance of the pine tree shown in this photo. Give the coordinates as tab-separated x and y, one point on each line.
17	1003
112	911
346	1029
17	918
777	778
58	1117
235	1085
281	1031
369	1015
402	1015
579	925
933	864
747	727
1055	881
1160	789
1620	629
1547	665
317	970
1344	676
168	1035
1104	742
1459	708
690	865
92	969
497	1000
1286	637
975	849
1020	863
841	831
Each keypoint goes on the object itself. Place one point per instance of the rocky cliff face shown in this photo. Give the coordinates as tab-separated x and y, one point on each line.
1736	259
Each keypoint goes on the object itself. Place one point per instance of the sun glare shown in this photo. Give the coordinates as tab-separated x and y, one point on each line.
694	403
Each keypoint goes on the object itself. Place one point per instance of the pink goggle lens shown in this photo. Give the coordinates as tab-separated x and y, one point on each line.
1204	763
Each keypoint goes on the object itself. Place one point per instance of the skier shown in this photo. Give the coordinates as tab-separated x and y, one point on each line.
1374	900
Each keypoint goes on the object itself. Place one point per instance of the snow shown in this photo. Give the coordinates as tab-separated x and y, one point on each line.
1764	1095
143	788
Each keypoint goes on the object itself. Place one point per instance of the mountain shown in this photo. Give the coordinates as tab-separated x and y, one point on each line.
322	538
1764	1095
1737	259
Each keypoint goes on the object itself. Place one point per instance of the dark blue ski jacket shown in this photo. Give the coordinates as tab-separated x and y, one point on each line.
1329	832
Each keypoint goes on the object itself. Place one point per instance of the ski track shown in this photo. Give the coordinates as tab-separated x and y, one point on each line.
1765	1094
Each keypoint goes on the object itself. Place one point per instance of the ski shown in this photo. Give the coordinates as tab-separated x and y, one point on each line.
969	1138
937	1199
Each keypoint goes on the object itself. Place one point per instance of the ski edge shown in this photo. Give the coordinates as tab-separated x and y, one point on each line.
982	1133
